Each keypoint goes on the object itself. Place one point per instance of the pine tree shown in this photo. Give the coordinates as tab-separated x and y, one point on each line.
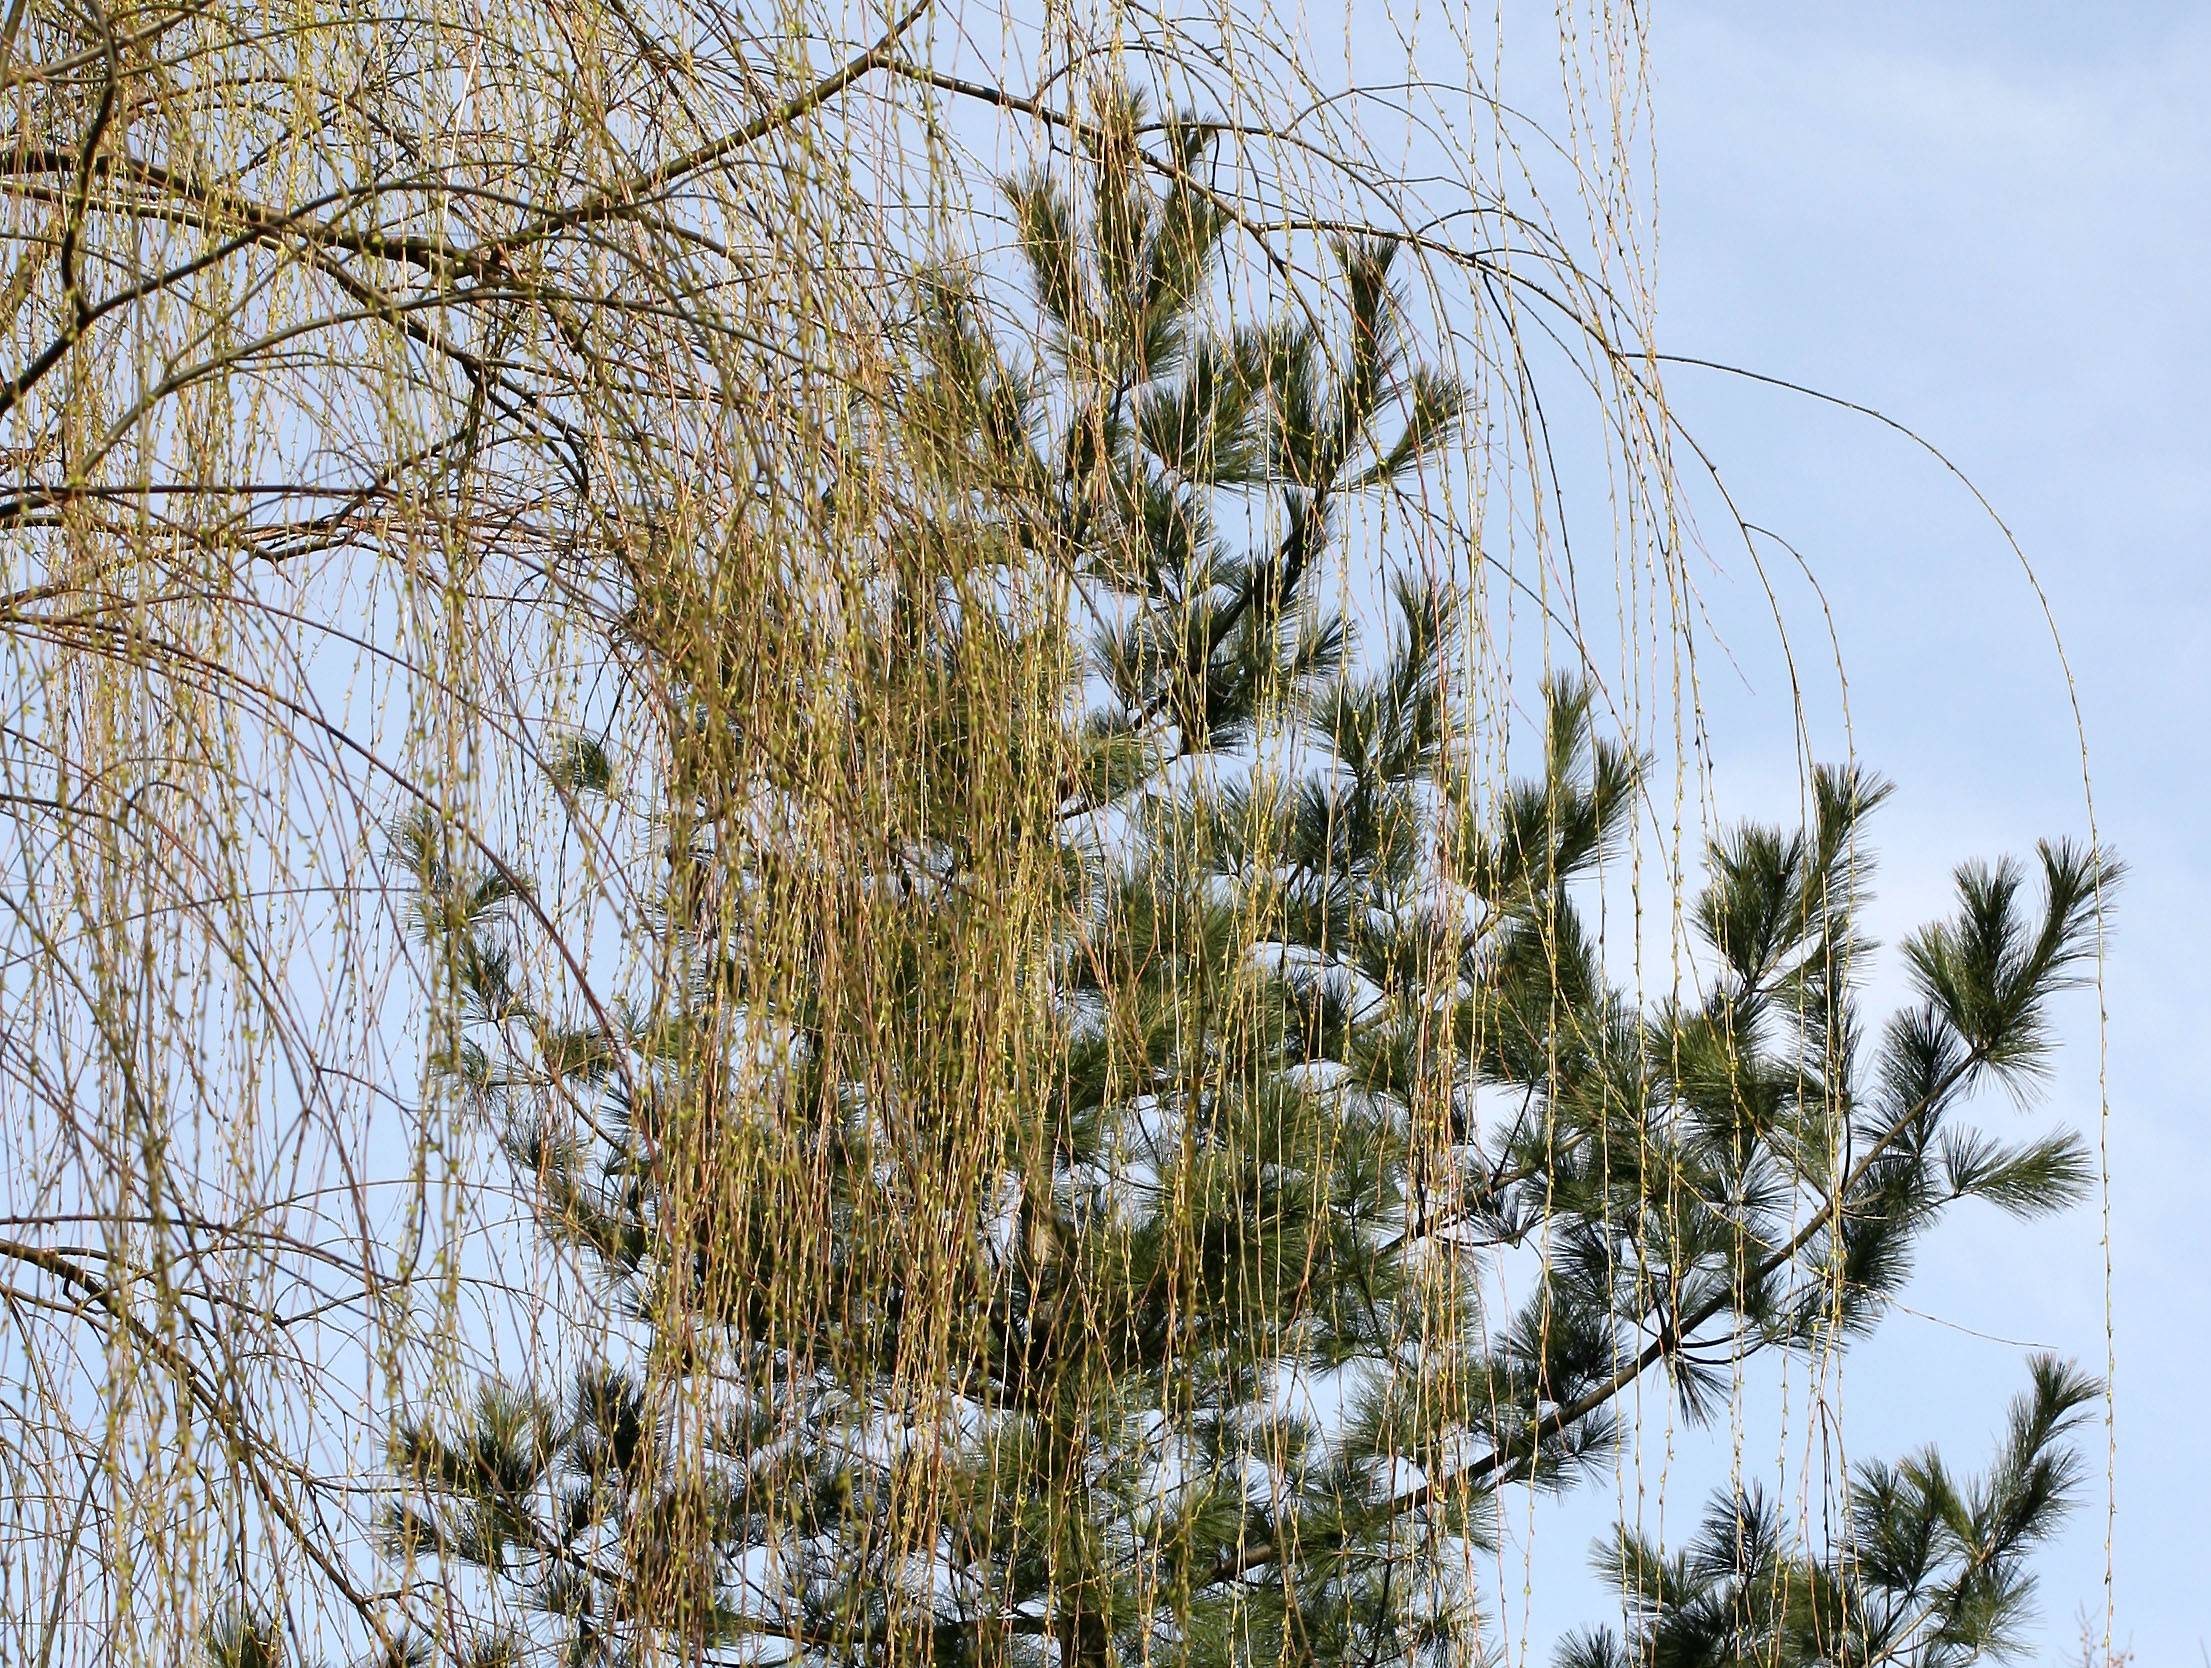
1930	1571
1225	1391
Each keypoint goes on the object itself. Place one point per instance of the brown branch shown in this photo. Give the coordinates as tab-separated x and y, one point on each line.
615	200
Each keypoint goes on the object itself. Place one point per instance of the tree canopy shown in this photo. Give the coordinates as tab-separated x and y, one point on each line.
1234	1160
783	873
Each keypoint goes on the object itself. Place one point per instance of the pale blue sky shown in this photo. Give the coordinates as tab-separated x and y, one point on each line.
1990	221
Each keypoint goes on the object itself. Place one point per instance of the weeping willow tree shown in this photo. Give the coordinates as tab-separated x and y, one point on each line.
1189	1343
1067	1100
336	345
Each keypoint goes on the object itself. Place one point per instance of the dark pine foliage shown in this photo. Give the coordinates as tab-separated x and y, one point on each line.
1325	1035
